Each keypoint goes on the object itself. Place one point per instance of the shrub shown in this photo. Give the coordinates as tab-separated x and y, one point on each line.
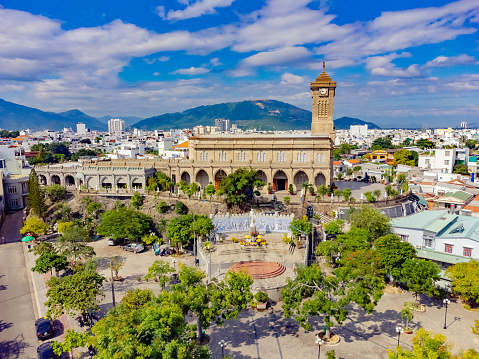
181	208
287	199
261	297
253	304
162	207
235	240
56	192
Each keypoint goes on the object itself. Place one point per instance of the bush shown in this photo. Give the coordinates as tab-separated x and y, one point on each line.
287	199
56	192
261	297
235	240
181	208
162	207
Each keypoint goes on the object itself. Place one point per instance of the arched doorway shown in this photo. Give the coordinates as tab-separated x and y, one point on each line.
122	183
106	183
69	181
42	180
185	176
220	175
137	184
202	178
280	181
299	179
319	180
262	176
56	179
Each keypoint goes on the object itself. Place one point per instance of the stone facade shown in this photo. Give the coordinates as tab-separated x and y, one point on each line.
280	159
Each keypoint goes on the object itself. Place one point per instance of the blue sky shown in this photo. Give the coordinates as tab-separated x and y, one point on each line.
396	62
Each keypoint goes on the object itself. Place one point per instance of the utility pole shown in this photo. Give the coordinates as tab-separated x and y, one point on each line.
112	285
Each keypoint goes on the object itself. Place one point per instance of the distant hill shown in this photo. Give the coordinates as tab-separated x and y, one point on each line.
18	117
259	114
129	120
343	123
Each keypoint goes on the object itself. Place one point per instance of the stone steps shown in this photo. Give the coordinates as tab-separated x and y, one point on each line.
259	269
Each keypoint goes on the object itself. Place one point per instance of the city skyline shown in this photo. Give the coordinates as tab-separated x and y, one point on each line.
393	62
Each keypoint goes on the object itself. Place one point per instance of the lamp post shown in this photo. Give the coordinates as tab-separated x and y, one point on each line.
319	342
222	344
194	229
174	261
446	302
399	330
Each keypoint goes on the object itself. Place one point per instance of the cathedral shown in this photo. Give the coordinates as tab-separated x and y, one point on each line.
279	159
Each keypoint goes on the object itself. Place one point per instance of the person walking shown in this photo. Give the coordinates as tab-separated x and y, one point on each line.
2	240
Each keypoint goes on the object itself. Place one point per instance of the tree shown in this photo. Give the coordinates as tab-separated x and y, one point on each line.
423	143
406	313
159	272
328	249
35	226
63	226
124	223
181	208
43	248
421	276
55	192
239	186
210	190
133	299
460	169
116	264
383	142
393	253
323	191
47	261
162	207
465	280
73	244
300	226
36	195
312	294
471	144
159	182
377	193
83	152
355	239
347	194
210	303
371	219
152	330
334	227
203	225
406	157
72	340
179	231
150	239
74	294
136	201
338	193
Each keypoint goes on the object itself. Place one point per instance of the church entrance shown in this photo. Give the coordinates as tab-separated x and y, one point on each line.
219	177
280	181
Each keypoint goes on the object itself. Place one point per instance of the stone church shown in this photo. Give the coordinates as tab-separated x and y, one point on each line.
280	159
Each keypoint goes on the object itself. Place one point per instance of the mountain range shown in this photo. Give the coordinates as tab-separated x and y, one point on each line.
259	114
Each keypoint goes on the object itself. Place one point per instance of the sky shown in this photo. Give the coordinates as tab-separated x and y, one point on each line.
396	62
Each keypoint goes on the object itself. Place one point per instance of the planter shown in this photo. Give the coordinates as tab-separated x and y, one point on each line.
116	279
407	331
290	193
261	306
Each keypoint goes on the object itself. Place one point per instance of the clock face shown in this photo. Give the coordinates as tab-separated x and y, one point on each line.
324	91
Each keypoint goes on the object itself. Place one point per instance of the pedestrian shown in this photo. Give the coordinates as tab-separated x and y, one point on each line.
3	240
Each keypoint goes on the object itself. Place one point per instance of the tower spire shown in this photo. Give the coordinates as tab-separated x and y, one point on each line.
324	67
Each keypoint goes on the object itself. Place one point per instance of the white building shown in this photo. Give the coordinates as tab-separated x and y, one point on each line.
358	130
444	159
223	125
116	125
81	129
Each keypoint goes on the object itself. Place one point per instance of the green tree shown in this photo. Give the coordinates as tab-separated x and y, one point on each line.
72	340
347	194
461	169
421	276
73	244
74	294
83	152
355	239
55	192
371	219
162	207
43	248
377	194
239	186
153	330
406	313
159	272
393	253
203	225
471	144
124	223
300	225
115	265
334	227
35	226
181	208
329	250
383	142
338	193
179	231
136	201
423	143
133	299
210	190
151	238
465	280
405	157
313	294
47	261
323	191
36	196
63	226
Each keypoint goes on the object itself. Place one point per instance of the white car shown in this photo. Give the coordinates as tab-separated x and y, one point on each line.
134	247
113	242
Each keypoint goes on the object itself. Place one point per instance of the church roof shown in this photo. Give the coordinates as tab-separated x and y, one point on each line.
324	79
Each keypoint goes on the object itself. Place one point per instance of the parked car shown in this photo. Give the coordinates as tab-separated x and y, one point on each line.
114	242
44	328
45	351
134	247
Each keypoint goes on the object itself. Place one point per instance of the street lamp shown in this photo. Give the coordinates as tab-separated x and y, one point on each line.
399	330
319	342
446	302
222	344
174	261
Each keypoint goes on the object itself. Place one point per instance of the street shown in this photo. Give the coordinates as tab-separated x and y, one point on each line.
17	316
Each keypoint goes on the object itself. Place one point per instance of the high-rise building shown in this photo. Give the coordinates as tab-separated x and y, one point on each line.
358	130
116	125
223	125
81	129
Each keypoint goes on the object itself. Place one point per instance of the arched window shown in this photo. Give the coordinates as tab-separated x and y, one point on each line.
281	156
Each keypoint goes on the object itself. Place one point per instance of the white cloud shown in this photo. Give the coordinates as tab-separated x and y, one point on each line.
290	79
192	71
160	11
156	74
215	62
149	61
163	58
382	66
196	9
282	56
444	61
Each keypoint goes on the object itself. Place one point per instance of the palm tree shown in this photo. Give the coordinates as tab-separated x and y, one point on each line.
406	312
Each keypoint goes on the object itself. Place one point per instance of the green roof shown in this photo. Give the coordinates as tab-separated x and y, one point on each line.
433	221
440	256
463	196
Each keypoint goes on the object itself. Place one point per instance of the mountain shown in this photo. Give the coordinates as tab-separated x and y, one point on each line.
259	114
343	123
15	117
129	120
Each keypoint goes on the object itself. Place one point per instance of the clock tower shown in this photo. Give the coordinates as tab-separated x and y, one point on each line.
323	90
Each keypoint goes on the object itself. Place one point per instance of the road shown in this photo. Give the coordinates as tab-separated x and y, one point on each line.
17	315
